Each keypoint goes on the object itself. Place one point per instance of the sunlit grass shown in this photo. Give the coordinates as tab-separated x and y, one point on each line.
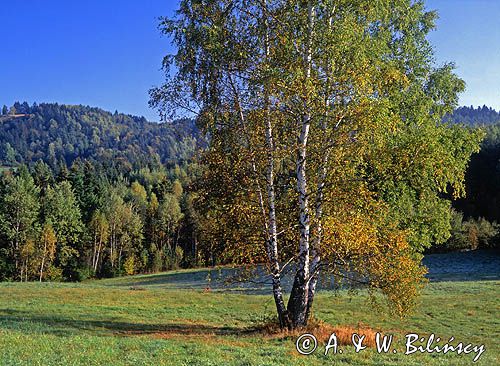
111	323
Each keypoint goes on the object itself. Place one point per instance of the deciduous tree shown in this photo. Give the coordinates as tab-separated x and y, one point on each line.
337	106
47	249
19	211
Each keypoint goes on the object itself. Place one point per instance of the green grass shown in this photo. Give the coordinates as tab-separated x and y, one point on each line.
111	323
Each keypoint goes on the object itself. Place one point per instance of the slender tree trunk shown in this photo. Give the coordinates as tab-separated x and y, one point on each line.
98	256
43	260
297	304
269	220
96	260
120	256
16	244
113	239
272	245
94	251
255	173
322	172
41	268
316	242
272	242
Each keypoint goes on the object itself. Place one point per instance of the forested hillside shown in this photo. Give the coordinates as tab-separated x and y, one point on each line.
84	192
471	116
483	179
53	132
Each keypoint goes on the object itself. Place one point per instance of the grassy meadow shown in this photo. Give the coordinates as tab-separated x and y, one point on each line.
119	322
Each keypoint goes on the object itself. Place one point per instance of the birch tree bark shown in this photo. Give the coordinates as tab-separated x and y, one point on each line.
297	305
321	181
272	243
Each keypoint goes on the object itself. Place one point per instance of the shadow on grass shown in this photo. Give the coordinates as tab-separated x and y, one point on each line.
217	279
459	266
62	326
474	265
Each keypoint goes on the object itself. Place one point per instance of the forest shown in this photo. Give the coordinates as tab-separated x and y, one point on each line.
105	195
471	116
86	193
55	133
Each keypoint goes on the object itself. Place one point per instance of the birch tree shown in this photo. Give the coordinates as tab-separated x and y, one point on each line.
99	227
19	210
325	125
47	248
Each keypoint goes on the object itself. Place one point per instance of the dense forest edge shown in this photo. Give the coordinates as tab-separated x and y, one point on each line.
88	193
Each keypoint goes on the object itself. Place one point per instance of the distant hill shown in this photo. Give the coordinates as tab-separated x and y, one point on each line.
54	132
471	116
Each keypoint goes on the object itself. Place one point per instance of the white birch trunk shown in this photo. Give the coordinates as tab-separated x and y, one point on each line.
322	172
43	259
272	242
297	305
316	242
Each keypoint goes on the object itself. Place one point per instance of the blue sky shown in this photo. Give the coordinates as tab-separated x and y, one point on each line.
108	53
468	33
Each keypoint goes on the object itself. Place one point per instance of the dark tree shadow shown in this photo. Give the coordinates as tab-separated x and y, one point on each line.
474	265
458	266
58	325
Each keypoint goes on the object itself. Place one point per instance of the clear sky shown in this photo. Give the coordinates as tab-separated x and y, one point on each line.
468	33
108	53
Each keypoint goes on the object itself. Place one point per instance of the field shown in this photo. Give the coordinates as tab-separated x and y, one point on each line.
151	320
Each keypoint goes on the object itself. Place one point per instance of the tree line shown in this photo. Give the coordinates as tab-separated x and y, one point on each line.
476	216
62	133
471	116
79	222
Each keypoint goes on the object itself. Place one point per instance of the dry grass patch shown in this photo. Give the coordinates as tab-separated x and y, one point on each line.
322	331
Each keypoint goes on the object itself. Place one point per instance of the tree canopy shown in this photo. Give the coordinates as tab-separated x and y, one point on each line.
55	133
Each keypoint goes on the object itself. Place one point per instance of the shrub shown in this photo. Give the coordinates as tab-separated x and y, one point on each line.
471	234
54	273
487	233
129	265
